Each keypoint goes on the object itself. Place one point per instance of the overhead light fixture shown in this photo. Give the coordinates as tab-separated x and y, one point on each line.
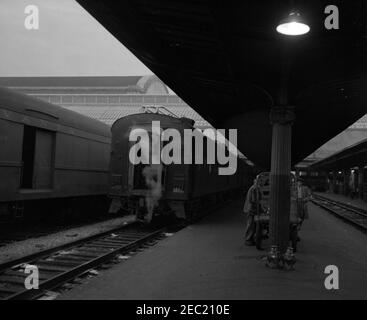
293	25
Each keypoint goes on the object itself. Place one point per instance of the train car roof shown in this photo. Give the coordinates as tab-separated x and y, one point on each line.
240	156
22	103
159	115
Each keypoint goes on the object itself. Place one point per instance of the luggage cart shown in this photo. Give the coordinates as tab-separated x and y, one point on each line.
262	217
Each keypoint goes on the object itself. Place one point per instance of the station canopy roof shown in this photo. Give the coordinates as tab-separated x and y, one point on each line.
225	59
352	156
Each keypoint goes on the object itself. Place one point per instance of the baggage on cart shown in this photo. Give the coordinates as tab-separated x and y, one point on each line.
262	216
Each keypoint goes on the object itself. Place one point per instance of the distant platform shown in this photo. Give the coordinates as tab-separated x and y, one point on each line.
209	260
356	202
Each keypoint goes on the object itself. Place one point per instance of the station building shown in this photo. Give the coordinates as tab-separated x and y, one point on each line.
105	98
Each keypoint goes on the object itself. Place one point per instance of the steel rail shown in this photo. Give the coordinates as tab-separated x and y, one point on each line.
47	252
351	214
58	266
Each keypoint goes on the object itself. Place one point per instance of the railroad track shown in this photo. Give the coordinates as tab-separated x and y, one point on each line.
351	214
60	265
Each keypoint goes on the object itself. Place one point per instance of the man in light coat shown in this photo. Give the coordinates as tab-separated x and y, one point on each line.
250	209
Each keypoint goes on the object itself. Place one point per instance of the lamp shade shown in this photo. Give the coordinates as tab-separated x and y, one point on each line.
293	25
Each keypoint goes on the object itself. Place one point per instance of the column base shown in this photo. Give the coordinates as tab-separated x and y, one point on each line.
276	260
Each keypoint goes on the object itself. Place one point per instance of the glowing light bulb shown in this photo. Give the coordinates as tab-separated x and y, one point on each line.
293	25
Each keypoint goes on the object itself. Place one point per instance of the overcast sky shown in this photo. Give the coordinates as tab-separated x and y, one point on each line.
69	42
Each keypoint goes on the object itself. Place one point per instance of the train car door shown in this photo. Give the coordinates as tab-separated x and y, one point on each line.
43	160
143	177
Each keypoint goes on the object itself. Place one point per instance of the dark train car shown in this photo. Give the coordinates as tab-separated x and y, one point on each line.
316	181
186	189
51	159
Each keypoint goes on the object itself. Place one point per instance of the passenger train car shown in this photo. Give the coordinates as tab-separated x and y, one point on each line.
51	160
316	181
185	189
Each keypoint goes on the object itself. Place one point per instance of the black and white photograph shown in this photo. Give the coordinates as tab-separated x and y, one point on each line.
180	156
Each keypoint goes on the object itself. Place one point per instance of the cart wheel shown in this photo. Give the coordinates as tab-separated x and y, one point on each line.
294	238
258	235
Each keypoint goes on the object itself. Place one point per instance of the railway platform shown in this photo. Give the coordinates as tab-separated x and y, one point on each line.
208	260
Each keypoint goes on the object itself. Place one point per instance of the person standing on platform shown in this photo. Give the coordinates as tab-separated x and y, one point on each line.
250	209
352	187
303	195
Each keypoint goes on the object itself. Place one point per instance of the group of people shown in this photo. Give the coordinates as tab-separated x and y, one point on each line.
253	207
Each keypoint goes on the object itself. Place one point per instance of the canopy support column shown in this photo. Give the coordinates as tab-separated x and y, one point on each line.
361	182
333	185
345	182
281	119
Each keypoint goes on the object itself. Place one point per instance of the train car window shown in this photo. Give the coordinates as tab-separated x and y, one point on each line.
29	142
